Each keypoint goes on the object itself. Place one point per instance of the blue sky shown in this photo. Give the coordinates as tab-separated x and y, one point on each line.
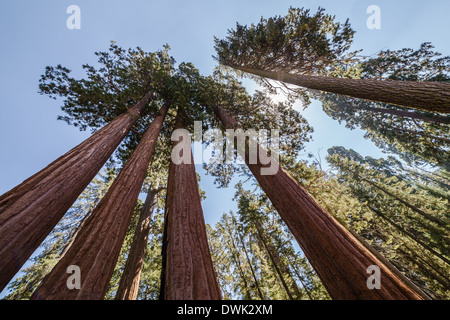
33	34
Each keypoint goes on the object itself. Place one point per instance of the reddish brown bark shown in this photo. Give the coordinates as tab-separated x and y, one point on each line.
97	245
129	281
428	96
338	258
187	272
31	210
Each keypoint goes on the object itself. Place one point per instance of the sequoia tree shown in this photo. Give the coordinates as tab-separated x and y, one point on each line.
187	271
338	257
414	135
306	49
29	211
57	242
97	246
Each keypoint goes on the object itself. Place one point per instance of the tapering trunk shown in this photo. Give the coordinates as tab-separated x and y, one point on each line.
426	268
241	271
338	258
129	281
409	234
405	114
261	296
275	256
303	284
275	263
31	210
423	95
248	295
97	245
187	271
404	202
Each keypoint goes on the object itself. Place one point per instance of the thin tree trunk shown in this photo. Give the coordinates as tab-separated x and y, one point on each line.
261	296
272	259
415	259
241	271
303	284
131	276
409	234
339	259
97	245
187	272
283	267
414	208
31	210
423	134
404	114
428	96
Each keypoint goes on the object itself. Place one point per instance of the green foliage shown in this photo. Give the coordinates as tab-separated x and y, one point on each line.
258	112
403	220
254	256
122	78
300	42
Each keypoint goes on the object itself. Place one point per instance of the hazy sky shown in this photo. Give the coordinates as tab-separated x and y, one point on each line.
33	34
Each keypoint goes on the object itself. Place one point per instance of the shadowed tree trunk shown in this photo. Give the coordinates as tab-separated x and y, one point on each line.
31	210
338	258
187	270
423	95
97	245
129	281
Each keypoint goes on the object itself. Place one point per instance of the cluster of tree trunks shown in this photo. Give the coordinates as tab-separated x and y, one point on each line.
31	210
97	245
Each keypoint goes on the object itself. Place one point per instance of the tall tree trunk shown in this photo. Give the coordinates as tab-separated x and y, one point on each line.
275	263
241	271
404	114
404	202
187	272
339	259
97	245
129	281
430	271
303	284
261	296
409	234
278	261
424	134
31	210
428	96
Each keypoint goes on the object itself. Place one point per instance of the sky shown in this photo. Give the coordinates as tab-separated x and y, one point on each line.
33	34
